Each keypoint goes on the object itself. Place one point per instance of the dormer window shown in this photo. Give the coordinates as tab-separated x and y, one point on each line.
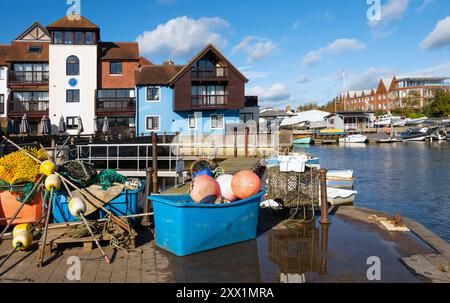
35	49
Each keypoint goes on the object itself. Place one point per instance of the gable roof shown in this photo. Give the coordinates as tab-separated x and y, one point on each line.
36	32
144	61
74	22
4	54
119	51
19	51
200	55
156	74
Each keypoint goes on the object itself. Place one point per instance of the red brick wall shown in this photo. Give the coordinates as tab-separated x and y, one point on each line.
126	80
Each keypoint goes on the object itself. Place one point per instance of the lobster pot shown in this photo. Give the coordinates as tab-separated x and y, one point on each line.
294	188
185	228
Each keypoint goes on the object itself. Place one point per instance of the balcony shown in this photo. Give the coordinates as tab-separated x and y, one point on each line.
217	73
29	77
211	101
107	106
31	108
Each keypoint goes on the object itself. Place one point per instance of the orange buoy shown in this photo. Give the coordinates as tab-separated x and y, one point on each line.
205	190
246	184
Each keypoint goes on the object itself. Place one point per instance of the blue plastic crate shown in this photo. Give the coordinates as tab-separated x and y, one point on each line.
60	210
184	228
125	204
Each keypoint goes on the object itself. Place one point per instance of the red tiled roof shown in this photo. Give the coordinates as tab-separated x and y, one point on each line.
19	51
4	53
119	51
73	21
144	61
156	74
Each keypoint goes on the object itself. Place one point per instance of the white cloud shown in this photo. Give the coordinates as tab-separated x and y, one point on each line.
255	48
336	47
441	70
274	94
303	79
315	17
391	11
439	37
256	75
368	79
181	36
424	5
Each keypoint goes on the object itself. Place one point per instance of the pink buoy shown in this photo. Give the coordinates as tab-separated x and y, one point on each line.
205	190
225	187
246	184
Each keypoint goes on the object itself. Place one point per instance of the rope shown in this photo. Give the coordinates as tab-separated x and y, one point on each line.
119	239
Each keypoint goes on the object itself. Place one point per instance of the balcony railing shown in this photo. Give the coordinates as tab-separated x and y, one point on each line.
40	77
28	107
209	73
209	101
116	105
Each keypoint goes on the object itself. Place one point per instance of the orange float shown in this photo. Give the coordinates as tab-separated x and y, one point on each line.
205	190
246	184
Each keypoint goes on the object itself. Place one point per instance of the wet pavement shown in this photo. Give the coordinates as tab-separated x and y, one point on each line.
303	254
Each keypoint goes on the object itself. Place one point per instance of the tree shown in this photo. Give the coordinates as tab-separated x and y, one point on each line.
440	105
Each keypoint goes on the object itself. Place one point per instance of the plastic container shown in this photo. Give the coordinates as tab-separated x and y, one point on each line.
30	213
60	210
185	228
126	204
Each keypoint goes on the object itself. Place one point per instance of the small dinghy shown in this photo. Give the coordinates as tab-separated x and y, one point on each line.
353	139
337	196
341	179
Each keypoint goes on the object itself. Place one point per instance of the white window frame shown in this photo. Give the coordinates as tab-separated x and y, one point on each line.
223	122
2	73
146	124
146	94
189	122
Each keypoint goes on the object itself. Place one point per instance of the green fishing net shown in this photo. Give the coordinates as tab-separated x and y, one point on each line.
21	191
108	177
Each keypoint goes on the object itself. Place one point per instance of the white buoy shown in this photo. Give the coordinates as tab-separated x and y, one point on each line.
77	207
22	240
53	182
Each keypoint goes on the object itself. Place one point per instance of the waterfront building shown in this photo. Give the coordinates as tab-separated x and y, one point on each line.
394	93
270	118
4	92
206	95
355	120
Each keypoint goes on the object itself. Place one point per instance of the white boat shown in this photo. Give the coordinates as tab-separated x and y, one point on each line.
340	179
337	196
353	139
416	121
399	122
388	120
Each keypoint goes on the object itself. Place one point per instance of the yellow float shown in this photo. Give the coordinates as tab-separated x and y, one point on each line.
47	168
22	240
22	227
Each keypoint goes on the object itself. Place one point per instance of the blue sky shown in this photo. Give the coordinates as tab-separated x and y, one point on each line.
293	51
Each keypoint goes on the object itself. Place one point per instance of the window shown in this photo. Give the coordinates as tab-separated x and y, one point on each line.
68	38
73	66
2	104
211	95
2	73
152	123
115	68
153	94
72	95
72	123
35	49
89	38
246	117
192	122
78	38
217	122
57	38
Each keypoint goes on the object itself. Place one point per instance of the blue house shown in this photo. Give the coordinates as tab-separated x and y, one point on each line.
206	95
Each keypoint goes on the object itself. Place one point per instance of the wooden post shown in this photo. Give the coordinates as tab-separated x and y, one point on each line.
246	132
155	161
324	197
148	191
235	143
324	248
165	137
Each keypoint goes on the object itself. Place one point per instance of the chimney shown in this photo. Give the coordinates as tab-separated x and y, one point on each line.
168	62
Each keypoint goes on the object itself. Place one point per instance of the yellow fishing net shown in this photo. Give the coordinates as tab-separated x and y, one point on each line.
18	167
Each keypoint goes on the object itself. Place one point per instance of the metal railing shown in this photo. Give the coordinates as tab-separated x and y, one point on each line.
116	104
21	107
36	77
202	101
209	73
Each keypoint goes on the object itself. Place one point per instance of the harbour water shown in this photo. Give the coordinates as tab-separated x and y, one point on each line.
410	178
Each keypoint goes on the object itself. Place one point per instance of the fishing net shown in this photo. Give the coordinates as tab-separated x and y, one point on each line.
18	167
21	192
80	173
294	189
107	178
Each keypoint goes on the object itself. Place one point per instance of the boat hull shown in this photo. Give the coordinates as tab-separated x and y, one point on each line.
353	139
300	141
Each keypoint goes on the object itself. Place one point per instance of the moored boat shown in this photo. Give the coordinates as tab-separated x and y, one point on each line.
302	140
338	196
340	179
415	135
353	139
